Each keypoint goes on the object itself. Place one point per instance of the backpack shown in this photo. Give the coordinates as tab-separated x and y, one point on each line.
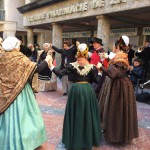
143	97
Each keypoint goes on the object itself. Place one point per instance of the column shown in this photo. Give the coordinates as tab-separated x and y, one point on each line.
30	39
103	30
8	33
9	29
57	39
141	36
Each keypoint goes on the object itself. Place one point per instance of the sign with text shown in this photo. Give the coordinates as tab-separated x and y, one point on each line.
76	34
74	8
146	31
126	31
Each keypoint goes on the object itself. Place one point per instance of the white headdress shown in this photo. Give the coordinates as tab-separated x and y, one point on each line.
126	40
10	43
82	50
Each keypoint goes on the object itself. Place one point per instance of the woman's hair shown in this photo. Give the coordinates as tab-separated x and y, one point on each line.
46	44
68	43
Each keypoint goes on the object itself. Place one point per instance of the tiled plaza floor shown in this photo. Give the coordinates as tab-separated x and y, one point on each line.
52	105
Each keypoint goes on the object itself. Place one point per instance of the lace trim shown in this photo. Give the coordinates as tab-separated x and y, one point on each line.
84	71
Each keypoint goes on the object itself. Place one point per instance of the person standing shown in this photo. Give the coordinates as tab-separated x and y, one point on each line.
95	58
117	100
21	123
24	49
33	56
47	79
67	56
98	48
131	53
145	56
81	128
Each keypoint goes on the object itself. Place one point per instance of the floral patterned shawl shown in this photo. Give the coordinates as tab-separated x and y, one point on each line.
15	70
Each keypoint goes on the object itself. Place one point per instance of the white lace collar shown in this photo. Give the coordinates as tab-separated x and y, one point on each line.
83	71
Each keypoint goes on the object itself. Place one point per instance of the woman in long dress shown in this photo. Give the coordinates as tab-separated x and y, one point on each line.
81	128
117	101
21	123
47	79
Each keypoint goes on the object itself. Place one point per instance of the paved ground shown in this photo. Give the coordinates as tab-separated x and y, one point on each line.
52	105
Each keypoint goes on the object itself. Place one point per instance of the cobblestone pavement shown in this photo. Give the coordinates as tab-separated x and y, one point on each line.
52	105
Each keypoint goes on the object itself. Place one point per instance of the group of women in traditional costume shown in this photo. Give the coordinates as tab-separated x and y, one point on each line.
85	117
116	102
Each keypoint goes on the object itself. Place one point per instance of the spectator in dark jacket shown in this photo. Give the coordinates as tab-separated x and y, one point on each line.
130	52
24	49
68	54
33	56
136	71
145	56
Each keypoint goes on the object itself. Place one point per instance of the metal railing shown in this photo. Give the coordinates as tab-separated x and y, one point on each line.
2	14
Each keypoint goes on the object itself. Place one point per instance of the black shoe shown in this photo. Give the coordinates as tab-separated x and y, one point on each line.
103	131
64	94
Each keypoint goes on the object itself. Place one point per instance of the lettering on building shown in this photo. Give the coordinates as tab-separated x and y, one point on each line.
76	34
127	31
78	7
98	3
114	2
146	31
74	8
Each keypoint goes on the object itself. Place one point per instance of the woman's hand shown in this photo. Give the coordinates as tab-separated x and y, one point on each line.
130	68
50	45
49	60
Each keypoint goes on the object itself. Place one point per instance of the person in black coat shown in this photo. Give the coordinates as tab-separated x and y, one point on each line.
68	54
145	56
130	52
24	49
33	56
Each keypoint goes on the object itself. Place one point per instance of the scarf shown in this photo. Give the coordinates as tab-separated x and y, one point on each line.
121	57
15	70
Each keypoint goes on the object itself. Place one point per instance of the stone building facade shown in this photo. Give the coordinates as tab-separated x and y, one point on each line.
83	19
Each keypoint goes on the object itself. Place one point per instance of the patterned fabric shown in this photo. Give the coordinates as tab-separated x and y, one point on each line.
117	104
85	69
121	57
15	70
